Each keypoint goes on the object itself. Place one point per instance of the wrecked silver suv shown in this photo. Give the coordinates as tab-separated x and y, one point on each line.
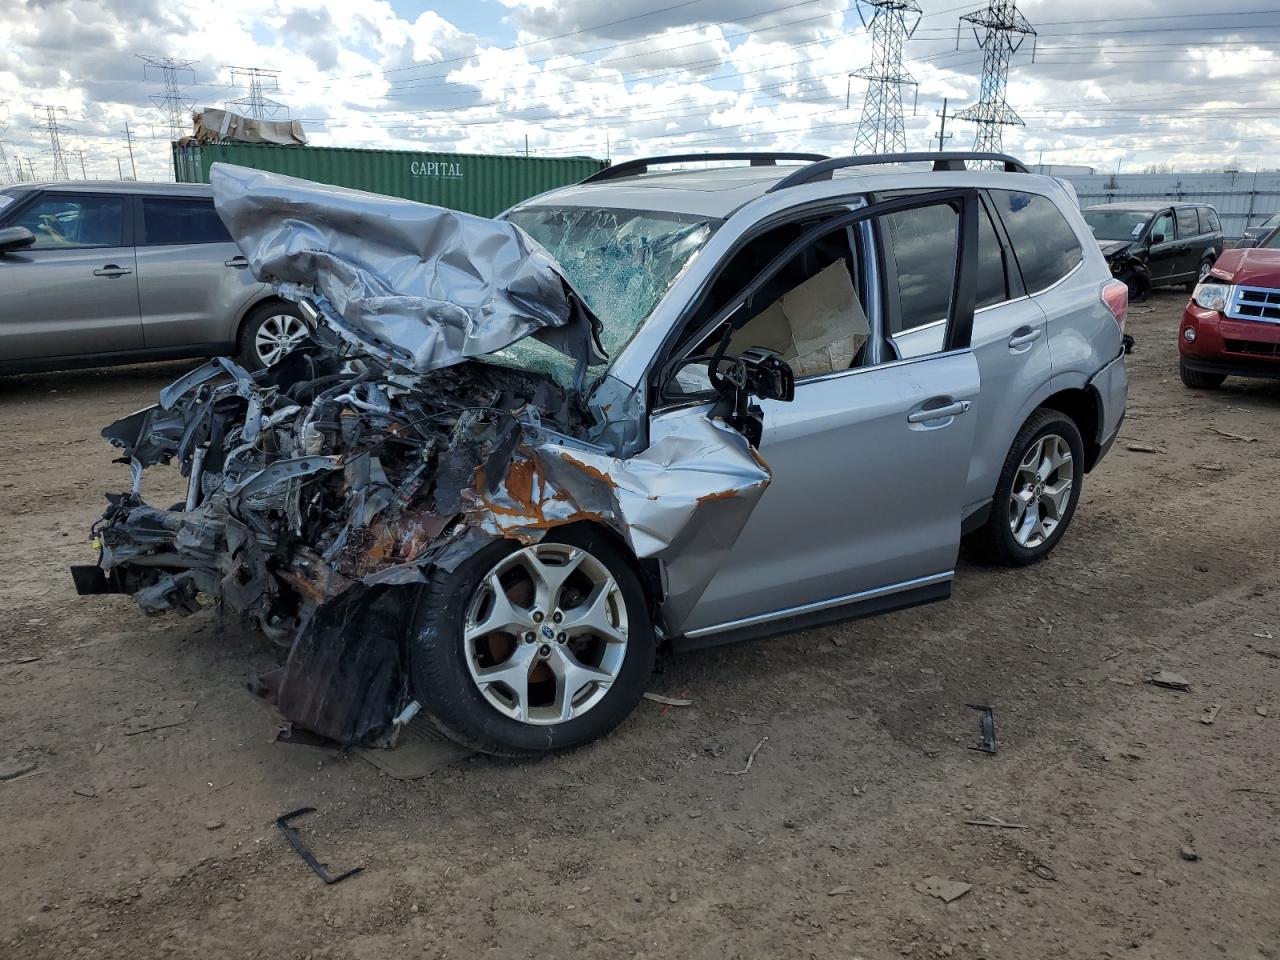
520	453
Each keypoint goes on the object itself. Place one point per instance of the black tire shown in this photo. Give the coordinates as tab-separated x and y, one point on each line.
246	350
1139	287
1199	381
442	681
995	541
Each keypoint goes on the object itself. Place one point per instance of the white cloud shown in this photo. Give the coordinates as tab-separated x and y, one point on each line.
704	75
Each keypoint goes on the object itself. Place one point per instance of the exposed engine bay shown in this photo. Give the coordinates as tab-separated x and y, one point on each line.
323	490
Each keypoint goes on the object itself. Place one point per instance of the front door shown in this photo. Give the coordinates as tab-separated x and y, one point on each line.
869	461
74	292
1162	253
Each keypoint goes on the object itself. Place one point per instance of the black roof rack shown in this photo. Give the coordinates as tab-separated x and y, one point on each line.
631	168
942	160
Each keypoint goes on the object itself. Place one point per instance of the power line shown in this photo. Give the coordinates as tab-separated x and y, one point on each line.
175	104
881	128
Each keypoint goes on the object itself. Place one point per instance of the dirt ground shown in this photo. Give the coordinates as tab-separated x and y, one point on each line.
133	842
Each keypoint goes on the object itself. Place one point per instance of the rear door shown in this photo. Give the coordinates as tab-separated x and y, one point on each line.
870	459
1190	243
74	292
1010	336
192	280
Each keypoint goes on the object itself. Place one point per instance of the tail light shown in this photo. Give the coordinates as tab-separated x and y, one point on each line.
1115	295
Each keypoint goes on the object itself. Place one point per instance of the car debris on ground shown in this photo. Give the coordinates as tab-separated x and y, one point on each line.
1169	680
440	408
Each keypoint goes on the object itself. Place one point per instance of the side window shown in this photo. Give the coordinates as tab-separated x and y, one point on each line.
810	311
1188	224
1043	242
1214	223
993	284
1206	226
921	264
67	221
167	220
1163	228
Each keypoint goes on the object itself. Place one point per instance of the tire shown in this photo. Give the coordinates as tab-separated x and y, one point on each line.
1199	381
996	540
1139	289
275	322
1203	271
444	666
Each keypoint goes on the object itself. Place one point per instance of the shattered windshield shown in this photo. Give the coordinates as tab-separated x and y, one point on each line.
1116	224
620	261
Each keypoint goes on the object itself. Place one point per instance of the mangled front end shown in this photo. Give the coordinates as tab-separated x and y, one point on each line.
325	489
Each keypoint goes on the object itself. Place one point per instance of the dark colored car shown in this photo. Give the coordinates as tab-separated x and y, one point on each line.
1150	245
1253	236
1231	326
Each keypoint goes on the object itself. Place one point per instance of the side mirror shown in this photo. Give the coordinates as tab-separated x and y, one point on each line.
1156	238
15	238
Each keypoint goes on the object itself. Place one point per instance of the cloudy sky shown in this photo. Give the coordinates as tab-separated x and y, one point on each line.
1173	82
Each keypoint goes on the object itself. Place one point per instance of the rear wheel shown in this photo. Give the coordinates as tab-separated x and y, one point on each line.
268	333
1197	380
527	649
1205	266
1037	493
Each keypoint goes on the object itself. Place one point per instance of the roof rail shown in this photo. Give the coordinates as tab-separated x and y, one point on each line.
942	160
631	168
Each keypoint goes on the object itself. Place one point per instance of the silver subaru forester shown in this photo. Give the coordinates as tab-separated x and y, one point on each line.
706	404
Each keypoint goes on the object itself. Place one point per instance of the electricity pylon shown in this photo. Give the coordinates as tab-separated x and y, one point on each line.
257	104
892	23
54	129
175	104
1003	29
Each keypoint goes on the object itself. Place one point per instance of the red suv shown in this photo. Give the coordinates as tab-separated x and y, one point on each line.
1231	327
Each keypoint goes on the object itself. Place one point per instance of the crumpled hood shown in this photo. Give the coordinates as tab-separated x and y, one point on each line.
427	286
1110	248
1252	267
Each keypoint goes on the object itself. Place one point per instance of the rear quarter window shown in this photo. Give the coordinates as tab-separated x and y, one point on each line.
1043	242
1206	225
172	220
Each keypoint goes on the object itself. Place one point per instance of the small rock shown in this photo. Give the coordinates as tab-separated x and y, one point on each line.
944	890
214	824
927	671
1170	680
413	908
13	768
1260	711
1188	854
694	814
673	896
85	792
97	747
837	891
1136	870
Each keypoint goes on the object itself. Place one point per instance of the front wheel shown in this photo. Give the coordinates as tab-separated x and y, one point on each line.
527	649
1037	493
1139	286
1197	380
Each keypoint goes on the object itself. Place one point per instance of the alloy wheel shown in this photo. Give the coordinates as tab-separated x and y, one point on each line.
1204	271
1041	491
279	334
545	633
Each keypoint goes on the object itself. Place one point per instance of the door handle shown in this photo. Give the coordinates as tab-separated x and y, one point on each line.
236	262
938	413
1024	336
111	270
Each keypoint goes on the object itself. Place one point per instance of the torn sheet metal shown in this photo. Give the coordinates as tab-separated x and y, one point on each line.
433	286
683	501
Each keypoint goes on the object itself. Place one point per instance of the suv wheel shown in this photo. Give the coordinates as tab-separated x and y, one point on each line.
268	333
1037	493
1197	380
527	649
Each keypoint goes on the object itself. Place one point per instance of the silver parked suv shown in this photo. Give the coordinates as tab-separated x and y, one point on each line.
706	404
96	273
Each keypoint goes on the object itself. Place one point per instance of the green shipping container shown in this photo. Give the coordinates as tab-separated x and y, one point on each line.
475	183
